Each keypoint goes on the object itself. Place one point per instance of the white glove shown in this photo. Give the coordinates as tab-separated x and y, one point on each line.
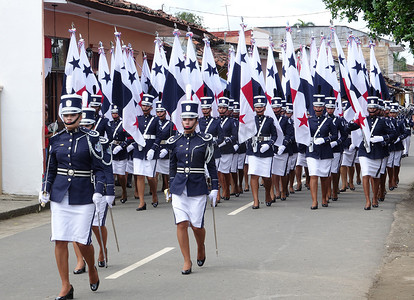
264	148
397	140
281	150
222	144
334	144
376	139
117	149
97	198
352	147
130	148
163	153
236	147
213	197
319	141
140	148
109	200
150	154
44	197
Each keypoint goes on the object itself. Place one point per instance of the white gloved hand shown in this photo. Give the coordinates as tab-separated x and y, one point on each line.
97	198
150	154
236	147
109	200
352	147
334	144
130	148
377	139
281	150
163	153
319	141
44	197
222	144
397	140
117	149
140	148
213	197
264	148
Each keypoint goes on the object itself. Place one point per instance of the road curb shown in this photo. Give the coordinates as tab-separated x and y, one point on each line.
13	213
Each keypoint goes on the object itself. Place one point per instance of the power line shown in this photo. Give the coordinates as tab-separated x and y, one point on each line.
248	17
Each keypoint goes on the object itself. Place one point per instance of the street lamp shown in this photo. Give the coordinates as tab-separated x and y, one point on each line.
55	46
89	51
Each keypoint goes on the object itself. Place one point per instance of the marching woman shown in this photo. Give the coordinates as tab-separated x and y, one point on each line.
74	183
372	160
319	154
190	151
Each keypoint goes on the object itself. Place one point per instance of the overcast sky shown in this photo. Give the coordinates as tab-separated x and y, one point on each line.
256	13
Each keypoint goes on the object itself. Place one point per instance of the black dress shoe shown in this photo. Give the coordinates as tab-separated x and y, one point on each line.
80	271
255	207
155	204
144	207
69	295
314	207
123	200
269	203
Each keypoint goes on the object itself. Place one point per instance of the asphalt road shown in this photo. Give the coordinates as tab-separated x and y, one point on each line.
285	251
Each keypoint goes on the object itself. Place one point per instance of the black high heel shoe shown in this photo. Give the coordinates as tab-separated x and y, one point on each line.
80	271
94	286
144	207
186	272
314	207
200	262
69	295
269	203
155	204
367	208
102	263
123	200
255	207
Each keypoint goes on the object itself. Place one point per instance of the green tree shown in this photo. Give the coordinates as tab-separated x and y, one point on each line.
302	23
384	17
400	63
190	17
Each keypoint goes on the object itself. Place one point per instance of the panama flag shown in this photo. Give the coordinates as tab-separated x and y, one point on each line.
273	84
333	81
105	82
122	95
364	67
48	56
73	68
242	70
91	84
159	70
356	73
294	89
145	75
284	79
306	81
375	75
112	51
133	78
313	59
360	115
321	84
194	73
210	76
258	80
175	83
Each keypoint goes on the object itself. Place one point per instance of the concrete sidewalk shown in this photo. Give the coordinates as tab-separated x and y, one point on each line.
12	206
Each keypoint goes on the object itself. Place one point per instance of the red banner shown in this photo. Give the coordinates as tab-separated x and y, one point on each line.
409	81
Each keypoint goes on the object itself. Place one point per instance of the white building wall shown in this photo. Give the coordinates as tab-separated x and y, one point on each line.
21	75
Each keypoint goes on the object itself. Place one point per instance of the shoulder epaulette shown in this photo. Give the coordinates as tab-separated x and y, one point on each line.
52	138
91	133
174	138
103	140
205	136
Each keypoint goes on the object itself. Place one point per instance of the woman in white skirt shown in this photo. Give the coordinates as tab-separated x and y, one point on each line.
189	153
75	159
372	160
319	154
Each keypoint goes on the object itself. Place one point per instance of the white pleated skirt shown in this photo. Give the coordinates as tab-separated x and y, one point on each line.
280	164
260	166
370	167
319	167
119	166
190	209
225	163
144	167
302	160
336	162
163	166
71	223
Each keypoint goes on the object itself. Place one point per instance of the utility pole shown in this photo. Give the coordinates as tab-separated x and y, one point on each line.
227	14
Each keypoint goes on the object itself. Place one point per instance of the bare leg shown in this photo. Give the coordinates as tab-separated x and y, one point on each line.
298	171
140	182
314	190
343	171
358	172
136	192
375	186
276	183
89	255
226	187
329	188
291	181
62	257
365	184
267	182
254	182
325	181
200	236
123	181
307	176
152	181
98	238
335	185
351	172
246	178
391	182
235	185
241	175
182	236
79	257
284	186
